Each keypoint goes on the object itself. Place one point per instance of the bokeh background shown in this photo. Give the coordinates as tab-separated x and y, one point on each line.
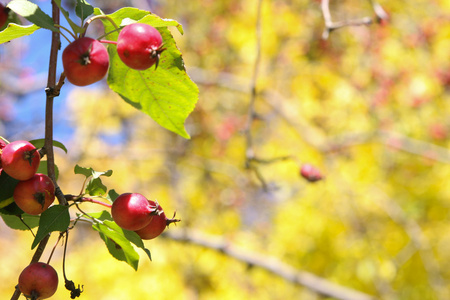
369	107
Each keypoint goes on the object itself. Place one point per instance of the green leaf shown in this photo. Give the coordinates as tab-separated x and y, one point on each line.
32	13
14	31
14	222
95	187
55	218
157	22
112	195
103	215
39	143
43	169
65	13
83	9
6	202
166	94
118	245
129	235
7	186
90	172
83	171
11	209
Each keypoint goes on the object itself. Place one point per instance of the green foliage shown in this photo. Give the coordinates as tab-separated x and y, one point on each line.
167	94
94	187
39	143
55	218
118	241
83	9
7	185
14	31
32	13
43	169
76	29
17	222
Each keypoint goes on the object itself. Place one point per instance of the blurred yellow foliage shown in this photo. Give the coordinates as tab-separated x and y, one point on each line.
368	107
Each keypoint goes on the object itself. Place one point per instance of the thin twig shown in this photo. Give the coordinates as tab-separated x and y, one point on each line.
379	11
315	283
253	92
330	25
251	114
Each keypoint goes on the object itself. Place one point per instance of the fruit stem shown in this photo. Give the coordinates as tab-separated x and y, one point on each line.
85	199
70	32
108	33
61	234
98	17
108	42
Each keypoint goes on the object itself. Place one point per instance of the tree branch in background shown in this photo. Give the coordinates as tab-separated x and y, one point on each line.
251	160
330	25
249	151
310	281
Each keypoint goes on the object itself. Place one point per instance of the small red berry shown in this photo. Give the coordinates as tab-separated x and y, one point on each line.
157	225
35	195
310	173
132	211
139	46
20	160
38	281
85	61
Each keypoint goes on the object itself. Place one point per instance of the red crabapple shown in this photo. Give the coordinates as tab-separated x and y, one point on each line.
132	211
156	225
38	281
20	160
139	46
35	195
85	61
310	173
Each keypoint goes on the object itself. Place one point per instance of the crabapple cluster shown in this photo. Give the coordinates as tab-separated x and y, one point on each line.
34	192
132	211
86	60
38	281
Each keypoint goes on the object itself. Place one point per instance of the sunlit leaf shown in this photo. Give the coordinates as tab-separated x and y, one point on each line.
32	13
55	218
14	31
118	245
